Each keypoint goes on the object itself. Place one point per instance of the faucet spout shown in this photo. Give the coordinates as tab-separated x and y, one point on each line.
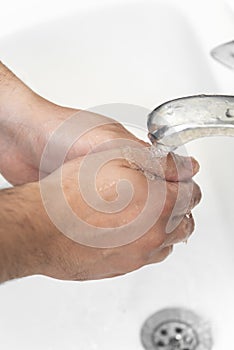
224	54
179	121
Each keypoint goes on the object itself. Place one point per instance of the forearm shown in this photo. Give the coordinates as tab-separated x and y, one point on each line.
26	123
18	101
21	235
15	96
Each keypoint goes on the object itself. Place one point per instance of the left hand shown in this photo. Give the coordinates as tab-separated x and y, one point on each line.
26	123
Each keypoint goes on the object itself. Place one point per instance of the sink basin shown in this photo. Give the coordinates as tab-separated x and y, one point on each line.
141	53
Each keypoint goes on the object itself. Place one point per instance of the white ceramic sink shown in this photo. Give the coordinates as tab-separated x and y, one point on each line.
143	53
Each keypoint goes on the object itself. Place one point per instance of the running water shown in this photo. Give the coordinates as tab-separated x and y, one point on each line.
150	160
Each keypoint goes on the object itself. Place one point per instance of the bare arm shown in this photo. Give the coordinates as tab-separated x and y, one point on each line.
21	253
26	121
29	242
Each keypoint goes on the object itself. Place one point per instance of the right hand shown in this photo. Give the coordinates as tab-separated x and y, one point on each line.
70	260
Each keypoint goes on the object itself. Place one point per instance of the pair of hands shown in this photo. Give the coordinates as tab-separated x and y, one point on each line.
28	122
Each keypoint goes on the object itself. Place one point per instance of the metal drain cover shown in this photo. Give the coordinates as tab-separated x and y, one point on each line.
176	329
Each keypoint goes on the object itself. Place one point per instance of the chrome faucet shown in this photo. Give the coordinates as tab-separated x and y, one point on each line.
224	54
179	121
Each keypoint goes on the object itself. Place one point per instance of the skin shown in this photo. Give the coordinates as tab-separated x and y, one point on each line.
30	243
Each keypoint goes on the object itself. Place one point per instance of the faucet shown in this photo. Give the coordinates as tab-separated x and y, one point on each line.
224	54
179	121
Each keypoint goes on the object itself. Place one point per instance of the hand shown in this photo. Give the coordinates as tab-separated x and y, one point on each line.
27	122
37	246
54	254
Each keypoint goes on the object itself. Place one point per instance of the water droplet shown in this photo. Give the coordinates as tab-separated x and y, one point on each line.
150	160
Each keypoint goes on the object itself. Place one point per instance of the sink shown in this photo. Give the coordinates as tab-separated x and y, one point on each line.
141	53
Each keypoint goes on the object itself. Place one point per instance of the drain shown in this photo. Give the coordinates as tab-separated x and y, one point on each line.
174	334
176	329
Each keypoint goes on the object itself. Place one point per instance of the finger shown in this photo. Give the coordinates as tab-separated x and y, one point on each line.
182	197
179	168
170	167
